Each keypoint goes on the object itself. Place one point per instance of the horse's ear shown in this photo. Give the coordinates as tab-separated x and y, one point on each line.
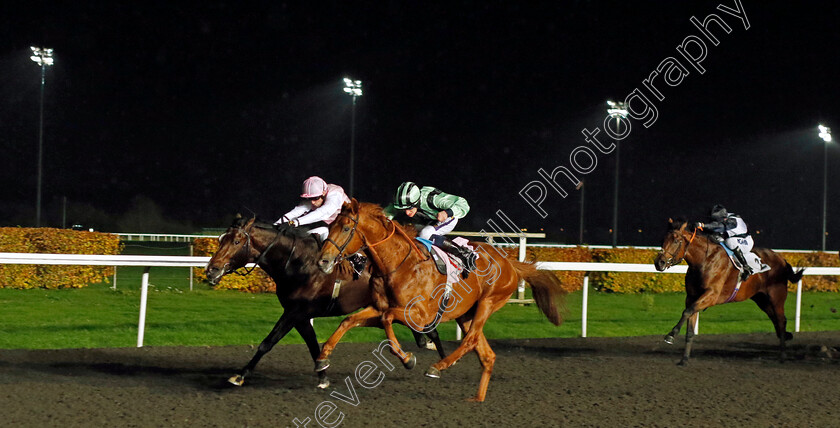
683	226
670	220
238	216
354	204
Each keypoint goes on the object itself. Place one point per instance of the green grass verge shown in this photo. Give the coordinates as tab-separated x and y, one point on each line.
99	316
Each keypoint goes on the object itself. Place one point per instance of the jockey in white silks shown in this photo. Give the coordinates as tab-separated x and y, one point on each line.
320	206
733	231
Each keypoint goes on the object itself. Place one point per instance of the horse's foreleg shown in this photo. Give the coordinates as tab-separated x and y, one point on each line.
669	338
706	300
283	325
408	359
689	338
308	334
363	317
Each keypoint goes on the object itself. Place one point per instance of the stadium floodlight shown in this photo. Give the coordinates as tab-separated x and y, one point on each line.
354	89
43	57
825	134
617	110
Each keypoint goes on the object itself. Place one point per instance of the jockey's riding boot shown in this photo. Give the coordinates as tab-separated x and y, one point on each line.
466	256
746	270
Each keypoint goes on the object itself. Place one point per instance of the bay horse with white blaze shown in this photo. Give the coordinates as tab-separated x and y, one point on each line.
413	292
288	255
712	280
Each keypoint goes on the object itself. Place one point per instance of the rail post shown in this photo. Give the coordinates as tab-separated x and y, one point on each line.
144	295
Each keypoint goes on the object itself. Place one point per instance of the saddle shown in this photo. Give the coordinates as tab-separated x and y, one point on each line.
445	263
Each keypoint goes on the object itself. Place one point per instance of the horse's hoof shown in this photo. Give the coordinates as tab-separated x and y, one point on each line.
324	383
321	365
669	339
430	345
411	362
237	380
433	373
475	400
683	363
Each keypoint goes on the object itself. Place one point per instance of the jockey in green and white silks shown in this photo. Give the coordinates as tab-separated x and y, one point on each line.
434	213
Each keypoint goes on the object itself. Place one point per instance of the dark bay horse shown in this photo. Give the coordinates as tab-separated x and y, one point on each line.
712	280
288	255
413	291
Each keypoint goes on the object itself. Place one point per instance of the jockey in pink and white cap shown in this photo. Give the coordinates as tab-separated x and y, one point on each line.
320	206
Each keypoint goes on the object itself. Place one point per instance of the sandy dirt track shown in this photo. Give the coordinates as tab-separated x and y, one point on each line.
733	380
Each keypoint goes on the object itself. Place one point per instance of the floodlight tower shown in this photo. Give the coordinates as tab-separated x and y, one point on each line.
354	89
43	57
825	134
617	110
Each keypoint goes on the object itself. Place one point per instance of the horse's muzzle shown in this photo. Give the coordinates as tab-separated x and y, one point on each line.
326	265
214	274
661	263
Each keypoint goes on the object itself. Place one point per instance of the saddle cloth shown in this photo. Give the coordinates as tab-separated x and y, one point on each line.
446	263
737	264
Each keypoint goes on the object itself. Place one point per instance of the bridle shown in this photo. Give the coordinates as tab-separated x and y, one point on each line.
672	258
247	248
341	248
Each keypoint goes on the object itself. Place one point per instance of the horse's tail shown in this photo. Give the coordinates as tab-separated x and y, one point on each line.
547	288
792	276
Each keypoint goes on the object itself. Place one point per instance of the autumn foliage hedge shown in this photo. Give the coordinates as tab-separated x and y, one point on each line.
613	282
55	241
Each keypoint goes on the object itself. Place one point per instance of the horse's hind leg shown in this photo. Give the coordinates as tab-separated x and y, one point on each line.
283	325
436	340
776	312
689	338
488	359
366	317
469	342
308	334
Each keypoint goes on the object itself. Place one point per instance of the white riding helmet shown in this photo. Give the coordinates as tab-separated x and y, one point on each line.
314	187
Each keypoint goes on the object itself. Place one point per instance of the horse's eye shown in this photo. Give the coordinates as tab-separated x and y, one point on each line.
236	242
346	228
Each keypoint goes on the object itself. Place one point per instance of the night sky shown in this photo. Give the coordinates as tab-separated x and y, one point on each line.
168	118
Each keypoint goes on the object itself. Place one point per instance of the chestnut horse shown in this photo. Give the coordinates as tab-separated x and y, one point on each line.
288	256
713	280
413	292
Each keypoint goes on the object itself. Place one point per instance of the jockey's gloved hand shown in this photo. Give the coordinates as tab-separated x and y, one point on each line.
294	223
698	225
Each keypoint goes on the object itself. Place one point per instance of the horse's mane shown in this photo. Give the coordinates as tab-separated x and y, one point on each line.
282	229
375	211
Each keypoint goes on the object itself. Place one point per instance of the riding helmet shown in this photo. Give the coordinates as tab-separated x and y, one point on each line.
314	187
719	212
408	196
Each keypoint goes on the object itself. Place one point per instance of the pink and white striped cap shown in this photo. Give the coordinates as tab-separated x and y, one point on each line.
313	187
